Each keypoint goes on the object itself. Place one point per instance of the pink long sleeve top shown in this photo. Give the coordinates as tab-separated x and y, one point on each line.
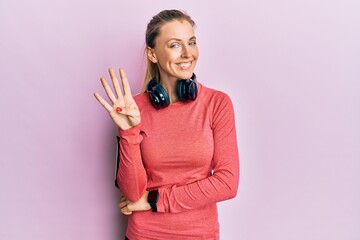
188	151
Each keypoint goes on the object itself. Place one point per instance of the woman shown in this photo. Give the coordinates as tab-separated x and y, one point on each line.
179	154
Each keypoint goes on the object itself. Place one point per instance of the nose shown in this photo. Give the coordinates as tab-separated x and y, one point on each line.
186	52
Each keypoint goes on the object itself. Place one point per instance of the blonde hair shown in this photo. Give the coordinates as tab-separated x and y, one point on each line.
152	31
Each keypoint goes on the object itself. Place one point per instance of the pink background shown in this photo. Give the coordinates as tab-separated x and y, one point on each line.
292	69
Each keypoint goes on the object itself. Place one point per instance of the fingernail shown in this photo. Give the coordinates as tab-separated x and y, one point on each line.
118	109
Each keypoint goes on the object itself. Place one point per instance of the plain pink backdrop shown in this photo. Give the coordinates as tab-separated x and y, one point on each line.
292	69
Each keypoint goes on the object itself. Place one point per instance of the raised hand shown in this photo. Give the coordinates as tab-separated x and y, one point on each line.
124	111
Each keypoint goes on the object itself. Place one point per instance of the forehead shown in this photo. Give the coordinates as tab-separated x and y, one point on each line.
176	29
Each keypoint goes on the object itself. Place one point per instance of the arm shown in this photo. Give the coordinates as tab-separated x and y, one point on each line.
223	183
131	177
126	115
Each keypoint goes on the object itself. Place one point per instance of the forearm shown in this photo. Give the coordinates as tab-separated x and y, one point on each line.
132	178
222	185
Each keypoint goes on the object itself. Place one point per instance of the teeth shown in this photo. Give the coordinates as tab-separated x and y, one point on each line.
184	64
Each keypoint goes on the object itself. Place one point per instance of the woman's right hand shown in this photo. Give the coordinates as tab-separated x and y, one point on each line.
124	111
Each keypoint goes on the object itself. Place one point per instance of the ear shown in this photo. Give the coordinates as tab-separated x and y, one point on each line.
151	55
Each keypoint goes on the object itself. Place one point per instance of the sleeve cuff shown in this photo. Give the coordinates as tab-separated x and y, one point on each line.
129	132
160	203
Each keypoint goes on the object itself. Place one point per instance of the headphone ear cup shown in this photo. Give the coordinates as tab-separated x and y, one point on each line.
180	90
187	90
162	95
158	95
155	101
193	91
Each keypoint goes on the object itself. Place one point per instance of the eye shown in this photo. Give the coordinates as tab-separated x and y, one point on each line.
192	43
175	45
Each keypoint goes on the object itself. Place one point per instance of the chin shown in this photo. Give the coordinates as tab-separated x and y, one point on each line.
186	75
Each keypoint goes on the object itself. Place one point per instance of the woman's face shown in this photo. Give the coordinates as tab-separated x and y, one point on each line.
175	50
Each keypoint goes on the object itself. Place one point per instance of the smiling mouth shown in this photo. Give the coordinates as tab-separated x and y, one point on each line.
184	64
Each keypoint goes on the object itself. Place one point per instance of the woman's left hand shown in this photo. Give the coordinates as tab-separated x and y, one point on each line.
127	207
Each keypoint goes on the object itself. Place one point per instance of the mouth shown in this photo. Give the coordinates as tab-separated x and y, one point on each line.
184	65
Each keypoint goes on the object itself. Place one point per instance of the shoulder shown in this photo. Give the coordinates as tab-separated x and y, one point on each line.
142	100
140	97
220	106
215	97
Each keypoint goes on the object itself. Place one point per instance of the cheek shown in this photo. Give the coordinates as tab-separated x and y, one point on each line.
169	56
196	52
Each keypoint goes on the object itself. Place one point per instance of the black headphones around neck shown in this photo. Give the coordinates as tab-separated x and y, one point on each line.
186	90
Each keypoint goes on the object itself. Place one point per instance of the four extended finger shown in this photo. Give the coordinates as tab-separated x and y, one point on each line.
125	82
115	83
108	90
105	104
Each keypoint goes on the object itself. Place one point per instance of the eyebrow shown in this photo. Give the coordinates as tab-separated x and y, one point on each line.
178	39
